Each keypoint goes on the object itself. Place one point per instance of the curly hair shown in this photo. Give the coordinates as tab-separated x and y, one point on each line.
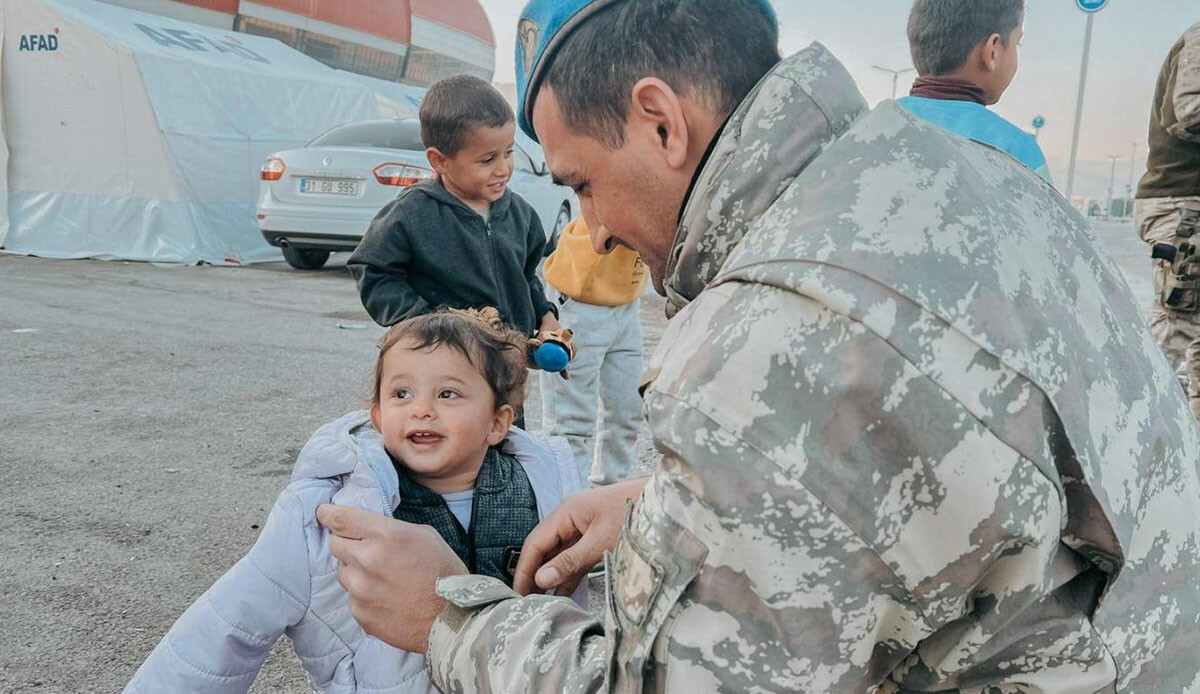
496	349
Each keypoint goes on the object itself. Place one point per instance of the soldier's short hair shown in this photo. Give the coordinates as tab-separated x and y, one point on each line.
716	50
454	107
942	33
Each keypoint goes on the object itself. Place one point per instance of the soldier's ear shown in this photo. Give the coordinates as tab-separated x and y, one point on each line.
657	121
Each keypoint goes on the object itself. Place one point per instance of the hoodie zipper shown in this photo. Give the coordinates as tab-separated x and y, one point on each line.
500	296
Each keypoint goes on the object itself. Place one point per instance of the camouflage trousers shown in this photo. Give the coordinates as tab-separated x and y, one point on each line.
1172	221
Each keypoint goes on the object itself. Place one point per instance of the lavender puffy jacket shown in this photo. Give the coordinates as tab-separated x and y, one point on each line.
287	583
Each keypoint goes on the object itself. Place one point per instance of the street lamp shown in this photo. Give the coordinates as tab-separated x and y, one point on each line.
895	75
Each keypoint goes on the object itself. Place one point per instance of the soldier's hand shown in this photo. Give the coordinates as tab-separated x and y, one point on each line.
573	539
390	569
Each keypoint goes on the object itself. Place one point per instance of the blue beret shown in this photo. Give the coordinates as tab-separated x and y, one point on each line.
541	31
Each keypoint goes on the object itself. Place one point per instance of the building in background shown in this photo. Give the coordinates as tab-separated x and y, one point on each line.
410	41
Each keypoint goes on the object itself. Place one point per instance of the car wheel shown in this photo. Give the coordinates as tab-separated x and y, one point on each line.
560	223
305	258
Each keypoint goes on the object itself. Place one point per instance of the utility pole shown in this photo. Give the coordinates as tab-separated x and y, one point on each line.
895	76
1087	50
1091	7
1112	178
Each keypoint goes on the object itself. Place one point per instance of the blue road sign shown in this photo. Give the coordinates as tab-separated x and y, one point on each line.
1039	122
1091	5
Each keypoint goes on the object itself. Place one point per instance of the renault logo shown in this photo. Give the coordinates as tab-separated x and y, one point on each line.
327	160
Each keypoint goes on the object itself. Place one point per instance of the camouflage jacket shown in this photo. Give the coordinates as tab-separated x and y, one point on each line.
1173	163
915	437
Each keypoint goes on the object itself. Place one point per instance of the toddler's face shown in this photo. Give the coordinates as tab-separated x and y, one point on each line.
478	174
437	415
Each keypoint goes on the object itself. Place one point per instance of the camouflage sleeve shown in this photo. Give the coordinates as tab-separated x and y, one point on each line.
831	513
1186	97
489	639
850	505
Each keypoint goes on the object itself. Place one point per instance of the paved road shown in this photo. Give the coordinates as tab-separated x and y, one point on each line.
1120	239
148	418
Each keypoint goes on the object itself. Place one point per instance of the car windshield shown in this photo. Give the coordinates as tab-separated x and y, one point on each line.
379	134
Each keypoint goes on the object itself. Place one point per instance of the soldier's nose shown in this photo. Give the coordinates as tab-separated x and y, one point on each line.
602	241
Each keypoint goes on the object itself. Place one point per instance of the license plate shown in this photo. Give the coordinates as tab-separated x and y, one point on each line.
328	186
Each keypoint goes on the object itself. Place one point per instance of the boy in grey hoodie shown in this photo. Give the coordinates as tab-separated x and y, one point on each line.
463	240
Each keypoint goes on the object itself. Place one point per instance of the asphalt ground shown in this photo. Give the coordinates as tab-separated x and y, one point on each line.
149	416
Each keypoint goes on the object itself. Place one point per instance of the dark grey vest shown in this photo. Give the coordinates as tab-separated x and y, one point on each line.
503	513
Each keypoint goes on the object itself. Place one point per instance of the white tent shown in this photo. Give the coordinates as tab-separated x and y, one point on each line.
3	141
134	136
395	100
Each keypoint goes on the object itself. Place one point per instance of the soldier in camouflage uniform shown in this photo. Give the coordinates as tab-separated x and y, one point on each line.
1168	210
915	435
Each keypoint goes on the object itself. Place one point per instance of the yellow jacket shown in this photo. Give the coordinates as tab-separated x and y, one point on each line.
578	271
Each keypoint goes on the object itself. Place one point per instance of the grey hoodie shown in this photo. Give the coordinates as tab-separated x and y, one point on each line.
428	249
288	583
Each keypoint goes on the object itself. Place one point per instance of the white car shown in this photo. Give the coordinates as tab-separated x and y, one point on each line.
321	198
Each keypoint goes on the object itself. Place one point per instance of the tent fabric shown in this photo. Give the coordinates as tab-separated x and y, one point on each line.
395	100
3	142
388	19
140	137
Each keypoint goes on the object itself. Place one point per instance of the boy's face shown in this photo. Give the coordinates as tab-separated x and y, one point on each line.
478	174
437	415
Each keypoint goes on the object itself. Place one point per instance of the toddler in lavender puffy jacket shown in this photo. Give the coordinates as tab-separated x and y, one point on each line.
437	447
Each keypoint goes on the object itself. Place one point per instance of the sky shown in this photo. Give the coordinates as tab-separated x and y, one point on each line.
1130	40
